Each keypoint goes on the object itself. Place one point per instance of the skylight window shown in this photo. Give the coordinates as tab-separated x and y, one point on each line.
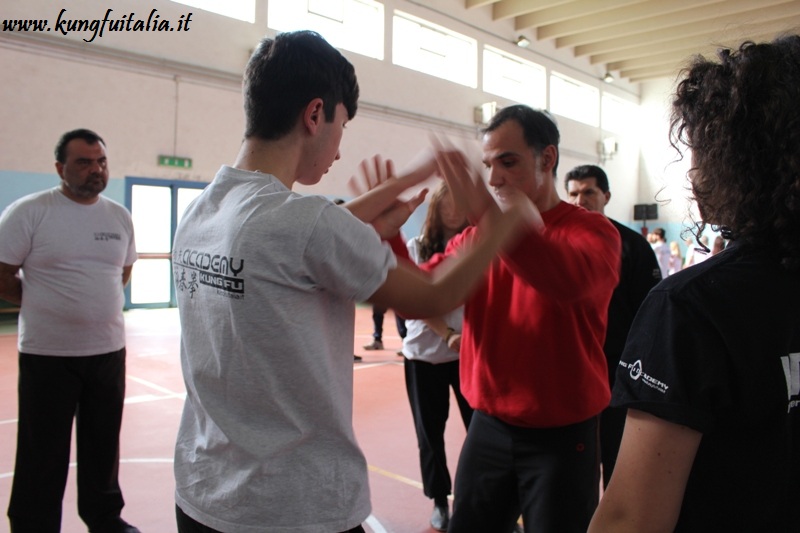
354	25
244	10
426	47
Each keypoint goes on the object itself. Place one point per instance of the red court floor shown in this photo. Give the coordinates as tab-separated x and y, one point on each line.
154	399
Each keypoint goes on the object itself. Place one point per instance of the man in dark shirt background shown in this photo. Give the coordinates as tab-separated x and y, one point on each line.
587	186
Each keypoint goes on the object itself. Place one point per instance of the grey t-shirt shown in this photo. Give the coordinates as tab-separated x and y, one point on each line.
267	282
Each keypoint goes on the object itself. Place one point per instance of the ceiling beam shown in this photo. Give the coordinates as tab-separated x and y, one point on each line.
622	16
471	4
689	46
729	30
674	58
657	70
716	16
506	9
639	79
552	15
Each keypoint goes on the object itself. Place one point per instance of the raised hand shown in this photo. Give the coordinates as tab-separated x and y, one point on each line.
373	172
463	179
378	188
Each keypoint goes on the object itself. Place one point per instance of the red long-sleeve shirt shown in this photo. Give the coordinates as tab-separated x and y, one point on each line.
532	342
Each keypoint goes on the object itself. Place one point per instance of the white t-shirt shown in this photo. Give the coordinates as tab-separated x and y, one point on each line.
267	282
421	343
72	256
662	252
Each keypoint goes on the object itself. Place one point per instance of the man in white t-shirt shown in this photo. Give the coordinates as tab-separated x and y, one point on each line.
267	281
65	255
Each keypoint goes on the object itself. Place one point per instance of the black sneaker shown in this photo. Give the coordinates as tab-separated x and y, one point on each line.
115	525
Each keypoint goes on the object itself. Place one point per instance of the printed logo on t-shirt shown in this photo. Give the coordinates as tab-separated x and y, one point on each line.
791	369
636	373
193	268
105	236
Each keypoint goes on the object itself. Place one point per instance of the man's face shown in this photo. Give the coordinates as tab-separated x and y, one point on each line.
326	147
513	166
587	194
84	172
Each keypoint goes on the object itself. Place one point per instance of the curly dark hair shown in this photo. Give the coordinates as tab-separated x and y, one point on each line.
740	117
433	240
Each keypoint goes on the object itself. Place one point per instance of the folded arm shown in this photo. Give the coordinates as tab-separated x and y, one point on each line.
440	327
572	267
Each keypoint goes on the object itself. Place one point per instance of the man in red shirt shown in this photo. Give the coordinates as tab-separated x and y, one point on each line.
532	362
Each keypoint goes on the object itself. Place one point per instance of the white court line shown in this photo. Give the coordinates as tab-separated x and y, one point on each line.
159	460
169	393
376	526
144	398
154	460
371	521
362	366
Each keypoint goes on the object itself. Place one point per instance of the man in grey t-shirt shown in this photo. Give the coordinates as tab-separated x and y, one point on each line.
267	281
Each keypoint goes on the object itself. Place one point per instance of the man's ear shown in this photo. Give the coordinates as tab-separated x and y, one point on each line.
549	158
60	169
608	197
314	115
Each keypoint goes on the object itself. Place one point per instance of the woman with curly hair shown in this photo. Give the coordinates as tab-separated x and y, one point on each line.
711	370
431	349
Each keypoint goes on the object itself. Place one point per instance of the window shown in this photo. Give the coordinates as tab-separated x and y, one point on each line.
238	9
435	50
573	99
354	25
514	78
618	115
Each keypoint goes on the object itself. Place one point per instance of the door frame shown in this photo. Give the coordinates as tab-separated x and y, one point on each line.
174	186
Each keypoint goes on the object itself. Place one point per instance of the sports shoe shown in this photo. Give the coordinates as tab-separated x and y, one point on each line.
440	518
374	345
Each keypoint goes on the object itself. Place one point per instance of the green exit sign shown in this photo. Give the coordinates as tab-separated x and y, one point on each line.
172	161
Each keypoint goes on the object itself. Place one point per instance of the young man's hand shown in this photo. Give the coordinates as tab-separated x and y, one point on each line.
379	190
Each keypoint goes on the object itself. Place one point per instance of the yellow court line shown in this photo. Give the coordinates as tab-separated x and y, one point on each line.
396	477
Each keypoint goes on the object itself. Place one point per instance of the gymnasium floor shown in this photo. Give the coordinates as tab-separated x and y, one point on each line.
154	399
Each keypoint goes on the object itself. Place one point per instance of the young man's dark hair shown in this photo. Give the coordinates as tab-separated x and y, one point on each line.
87	135
740	119
287	72
583	172
538	126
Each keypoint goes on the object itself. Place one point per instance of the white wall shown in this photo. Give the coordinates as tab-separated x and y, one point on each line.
179	94
664	170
